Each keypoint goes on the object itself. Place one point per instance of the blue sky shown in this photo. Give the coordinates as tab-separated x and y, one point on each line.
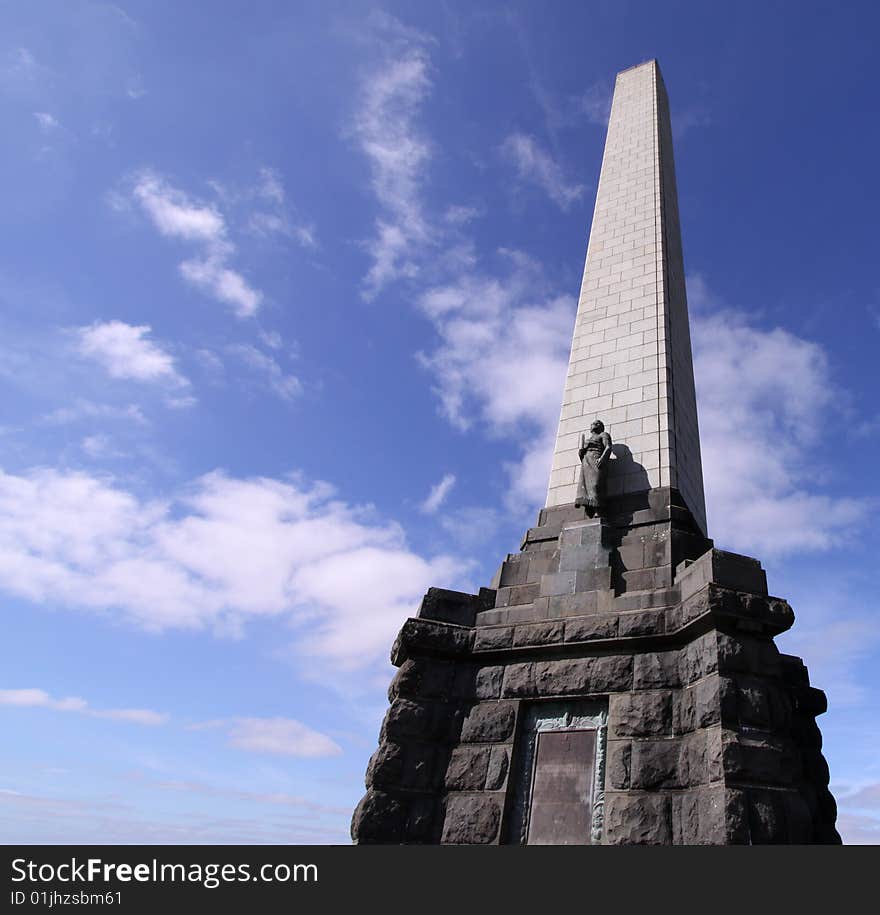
287	292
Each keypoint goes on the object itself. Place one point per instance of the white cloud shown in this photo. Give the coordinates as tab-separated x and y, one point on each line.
502	359
175	214
213	277
38	698
124	351
275	219
46	121
272	339
225	551
287	387
595	103
398	152
82	409
763	396
536	165
437	495
100	446
282	736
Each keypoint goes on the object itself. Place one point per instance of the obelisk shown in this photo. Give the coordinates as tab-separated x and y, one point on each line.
631	360
618	683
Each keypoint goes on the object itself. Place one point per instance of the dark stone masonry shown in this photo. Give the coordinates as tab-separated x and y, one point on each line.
633	627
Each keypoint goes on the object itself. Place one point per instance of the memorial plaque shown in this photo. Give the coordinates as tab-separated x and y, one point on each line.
561	808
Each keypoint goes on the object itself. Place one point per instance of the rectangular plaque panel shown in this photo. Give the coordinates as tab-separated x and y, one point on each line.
561	807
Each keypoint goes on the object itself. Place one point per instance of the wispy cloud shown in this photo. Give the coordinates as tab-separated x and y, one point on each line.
85	410
176	214
502	358
761	396
535	165
503	334
46	121
286	386
226	551
272	215
124	352
437	495
100	446
386	128
39	698
282	736
595	103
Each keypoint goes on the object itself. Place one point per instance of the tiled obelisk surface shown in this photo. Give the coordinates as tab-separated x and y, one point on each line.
618	683
631	352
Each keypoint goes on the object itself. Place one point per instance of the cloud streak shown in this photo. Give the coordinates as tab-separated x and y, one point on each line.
38	698
386	129
125	353
536	166
761	398
437	495
175	214
224	551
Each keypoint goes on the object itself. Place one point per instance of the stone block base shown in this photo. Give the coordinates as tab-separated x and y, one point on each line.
708	733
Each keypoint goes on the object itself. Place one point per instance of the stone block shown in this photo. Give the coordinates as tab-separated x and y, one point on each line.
707	702
421	820
487	638
711	815
588	628
658	550
559	583
379	818
406	719
767	817
637	819
429	637
418	772
489	722
499	764
488	682
514	571
612	673
655	764
754	705
656	670
467	768
519	594
645	622
386	765
756	760
619	764
563	678
452	606
640	714
407	681
730	570
471	820
564	605
699	658
538	634
631	554
519	681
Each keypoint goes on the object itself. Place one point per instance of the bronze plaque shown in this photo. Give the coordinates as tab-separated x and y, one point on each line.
561	808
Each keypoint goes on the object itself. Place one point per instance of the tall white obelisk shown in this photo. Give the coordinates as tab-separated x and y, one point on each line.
631	364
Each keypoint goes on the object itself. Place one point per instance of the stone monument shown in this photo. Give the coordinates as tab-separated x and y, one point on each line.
618	683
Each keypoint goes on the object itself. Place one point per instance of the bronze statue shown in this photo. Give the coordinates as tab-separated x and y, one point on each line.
594	453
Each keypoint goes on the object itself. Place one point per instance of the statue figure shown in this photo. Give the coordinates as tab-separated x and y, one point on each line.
594	453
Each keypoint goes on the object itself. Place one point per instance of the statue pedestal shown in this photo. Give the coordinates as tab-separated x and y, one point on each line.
664	698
